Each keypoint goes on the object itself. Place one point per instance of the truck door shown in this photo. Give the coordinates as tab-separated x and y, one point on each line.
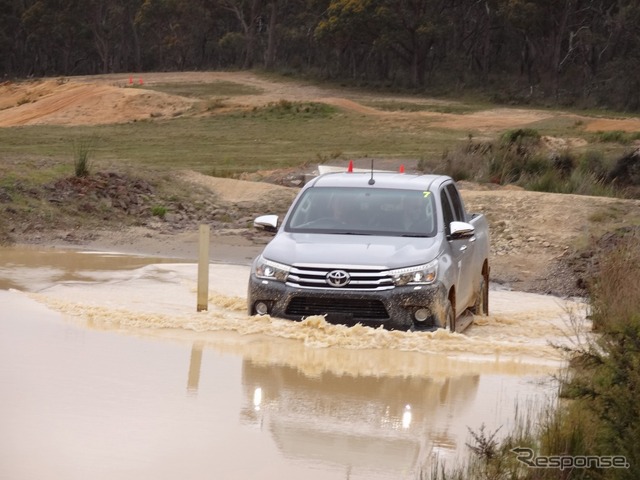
461	249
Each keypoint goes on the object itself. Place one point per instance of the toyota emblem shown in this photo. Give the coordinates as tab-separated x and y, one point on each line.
338	278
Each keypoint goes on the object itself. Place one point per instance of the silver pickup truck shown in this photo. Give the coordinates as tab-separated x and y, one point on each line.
380	249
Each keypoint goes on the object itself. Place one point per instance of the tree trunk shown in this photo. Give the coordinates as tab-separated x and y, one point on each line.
271	39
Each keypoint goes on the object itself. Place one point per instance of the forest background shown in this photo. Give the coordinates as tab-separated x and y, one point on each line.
579	53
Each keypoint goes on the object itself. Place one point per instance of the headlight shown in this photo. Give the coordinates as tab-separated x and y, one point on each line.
271	270
419	275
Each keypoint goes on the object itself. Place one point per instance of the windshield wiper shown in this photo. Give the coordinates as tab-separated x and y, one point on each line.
350	233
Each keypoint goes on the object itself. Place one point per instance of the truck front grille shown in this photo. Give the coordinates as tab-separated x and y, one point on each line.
356	308
359	278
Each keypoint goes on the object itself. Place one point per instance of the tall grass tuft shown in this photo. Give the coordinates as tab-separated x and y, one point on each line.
81	152
615	296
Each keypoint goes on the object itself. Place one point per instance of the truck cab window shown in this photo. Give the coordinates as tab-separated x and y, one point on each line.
447	212
456	202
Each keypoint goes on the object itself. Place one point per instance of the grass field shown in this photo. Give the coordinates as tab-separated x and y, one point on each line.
220	142
263	139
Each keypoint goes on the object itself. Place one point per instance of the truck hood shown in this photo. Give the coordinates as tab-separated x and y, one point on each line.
356	250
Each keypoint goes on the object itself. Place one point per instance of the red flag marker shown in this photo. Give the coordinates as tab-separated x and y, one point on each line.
350	168
140	81
401	168
130	79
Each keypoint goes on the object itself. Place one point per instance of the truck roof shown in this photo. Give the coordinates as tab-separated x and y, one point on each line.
406	181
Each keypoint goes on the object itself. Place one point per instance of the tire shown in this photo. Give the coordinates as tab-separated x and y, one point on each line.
450	317
481	306
449	320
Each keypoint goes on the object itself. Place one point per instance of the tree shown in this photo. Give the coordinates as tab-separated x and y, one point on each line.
174	32
57	40
249	14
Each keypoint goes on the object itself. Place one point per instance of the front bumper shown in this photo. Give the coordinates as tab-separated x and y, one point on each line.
393	309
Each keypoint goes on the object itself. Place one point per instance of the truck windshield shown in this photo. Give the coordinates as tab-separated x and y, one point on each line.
364	211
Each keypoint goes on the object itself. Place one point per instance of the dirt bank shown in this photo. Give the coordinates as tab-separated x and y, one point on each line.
118	98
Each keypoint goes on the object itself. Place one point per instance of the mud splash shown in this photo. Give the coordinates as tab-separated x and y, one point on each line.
524	328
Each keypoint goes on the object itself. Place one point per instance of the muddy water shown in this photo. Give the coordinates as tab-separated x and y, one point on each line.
107	371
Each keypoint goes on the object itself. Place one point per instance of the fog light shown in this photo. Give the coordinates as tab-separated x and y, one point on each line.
421	315
261	308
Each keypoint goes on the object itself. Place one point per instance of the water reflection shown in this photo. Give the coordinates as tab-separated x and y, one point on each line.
389	424
35	268
195	364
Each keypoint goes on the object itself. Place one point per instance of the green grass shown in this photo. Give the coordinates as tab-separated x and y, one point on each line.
247	141
204	90
159	211
617	136
441	107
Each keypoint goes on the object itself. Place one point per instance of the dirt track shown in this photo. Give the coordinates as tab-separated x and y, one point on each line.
119	98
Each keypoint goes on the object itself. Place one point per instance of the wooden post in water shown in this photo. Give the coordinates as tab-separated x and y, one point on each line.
203	268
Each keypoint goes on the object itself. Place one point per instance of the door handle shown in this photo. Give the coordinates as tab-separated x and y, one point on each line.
463	248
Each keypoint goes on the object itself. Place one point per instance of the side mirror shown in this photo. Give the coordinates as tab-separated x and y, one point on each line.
461	230
268	223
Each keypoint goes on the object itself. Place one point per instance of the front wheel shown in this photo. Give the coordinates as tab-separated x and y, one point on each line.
481	306
450	315
447	319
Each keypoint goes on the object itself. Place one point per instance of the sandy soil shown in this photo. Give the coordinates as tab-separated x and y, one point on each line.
530	231
117	98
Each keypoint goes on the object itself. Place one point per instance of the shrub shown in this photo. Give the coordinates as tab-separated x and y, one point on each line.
606	375
593	161
286	108
564	163
616	294
587	183
159	211
520	135
626	170
613	136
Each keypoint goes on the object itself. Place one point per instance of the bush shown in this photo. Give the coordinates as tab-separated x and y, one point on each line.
616	294
521	135
159	211
519	158
593	161
606	376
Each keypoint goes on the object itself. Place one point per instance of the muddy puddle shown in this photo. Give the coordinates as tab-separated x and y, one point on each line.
108	371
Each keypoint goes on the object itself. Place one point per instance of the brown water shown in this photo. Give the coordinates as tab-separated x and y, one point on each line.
107	371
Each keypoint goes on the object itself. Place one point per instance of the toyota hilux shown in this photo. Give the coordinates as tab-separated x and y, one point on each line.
392	250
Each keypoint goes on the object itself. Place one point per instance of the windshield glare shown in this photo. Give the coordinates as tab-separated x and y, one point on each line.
364	211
